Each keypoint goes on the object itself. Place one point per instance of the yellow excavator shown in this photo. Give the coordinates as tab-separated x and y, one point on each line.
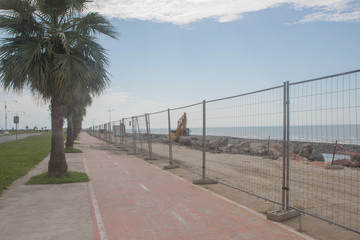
181	129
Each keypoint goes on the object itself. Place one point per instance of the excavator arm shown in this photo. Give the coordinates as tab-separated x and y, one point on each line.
181	129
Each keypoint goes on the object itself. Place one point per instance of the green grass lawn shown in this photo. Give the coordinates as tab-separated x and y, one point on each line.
70	177
18	157
72	150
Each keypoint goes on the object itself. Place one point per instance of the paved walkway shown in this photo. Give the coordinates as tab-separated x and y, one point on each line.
126	198
139	201
56	212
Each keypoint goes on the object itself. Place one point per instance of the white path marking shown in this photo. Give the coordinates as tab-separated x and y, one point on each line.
115	163
145	188
178	217
125	171
99	220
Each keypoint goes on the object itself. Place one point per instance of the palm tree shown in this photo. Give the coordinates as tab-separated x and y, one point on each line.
78	115
74	111
52	50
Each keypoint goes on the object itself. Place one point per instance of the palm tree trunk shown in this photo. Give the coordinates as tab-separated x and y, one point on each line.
70	135
57	163
77	129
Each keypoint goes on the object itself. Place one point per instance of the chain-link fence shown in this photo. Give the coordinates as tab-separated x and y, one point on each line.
296	145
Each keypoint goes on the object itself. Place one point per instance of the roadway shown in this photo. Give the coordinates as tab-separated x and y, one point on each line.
9	138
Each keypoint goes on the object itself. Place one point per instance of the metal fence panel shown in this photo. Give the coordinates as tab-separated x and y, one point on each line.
159	134
324	114
187	150
142	141
127	138
245	134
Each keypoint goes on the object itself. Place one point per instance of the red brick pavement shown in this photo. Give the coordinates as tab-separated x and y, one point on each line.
136	200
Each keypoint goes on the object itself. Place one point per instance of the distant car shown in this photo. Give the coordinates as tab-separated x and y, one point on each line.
6	133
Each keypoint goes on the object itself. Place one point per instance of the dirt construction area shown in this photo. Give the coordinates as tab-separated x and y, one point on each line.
256	182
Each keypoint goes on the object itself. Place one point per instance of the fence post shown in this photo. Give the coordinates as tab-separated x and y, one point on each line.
204	180
105	132
138	127
148	132
102	128
287	146
171	163
284	150
114	129
133	136
110	133
204	141
123	134
285	212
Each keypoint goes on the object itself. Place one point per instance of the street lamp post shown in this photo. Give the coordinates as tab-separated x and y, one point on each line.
6	110
109	126
110	110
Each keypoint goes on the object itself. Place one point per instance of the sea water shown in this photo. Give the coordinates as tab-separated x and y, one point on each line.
328	157
343	134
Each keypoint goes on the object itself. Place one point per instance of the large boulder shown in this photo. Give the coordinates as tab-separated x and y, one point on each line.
306	150
355	164
219	142
243	148
227	149
316	156
352	162
275	151
343	162
250	148
355	161
258	148
295	148
187	141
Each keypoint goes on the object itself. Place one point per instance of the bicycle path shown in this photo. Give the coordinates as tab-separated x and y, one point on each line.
131	199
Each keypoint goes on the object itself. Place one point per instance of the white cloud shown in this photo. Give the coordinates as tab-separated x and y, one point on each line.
332	17
183	12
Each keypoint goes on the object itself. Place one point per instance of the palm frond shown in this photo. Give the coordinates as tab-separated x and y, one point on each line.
94	23
16	5
19	21
50	51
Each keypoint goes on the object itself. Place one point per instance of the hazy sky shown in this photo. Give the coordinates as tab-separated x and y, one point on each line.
175	53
